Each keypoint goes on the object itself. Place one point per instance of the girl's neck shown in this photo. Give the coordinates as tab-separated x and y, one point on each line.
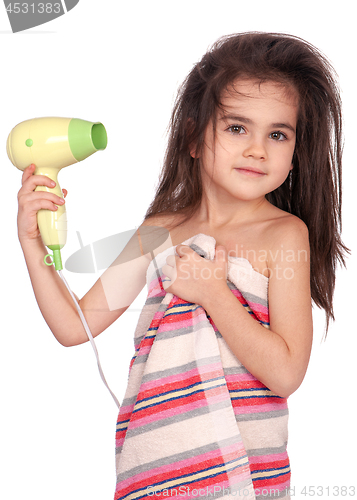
217	217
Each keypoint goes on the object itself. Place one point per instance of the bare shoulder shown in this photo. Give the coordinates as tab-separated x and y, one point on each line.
166	221
289	230
288	241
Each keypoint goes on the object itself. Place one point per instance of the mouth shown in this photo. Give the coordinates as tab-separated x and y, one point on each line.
250	171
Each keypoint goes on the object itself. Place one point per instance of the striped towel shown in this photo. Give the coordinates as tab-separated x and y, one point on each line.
194	422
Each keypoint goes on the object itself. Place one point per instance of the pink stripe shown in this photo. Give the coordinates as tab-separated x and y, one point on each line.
125	413
267	458
155	283
284	485
240	377
175	325
144	350
155	291
158	315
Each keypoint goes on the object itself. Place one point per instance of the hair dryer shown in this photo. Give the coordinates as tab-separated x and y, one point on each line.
51	144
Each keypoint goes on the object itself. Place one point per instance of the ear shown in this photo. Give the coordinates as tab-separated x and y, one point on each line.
193	151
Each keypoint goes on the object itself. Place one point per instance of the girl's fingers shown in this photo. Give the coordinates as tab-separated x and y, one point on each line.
38	197
28	172
42	204
32	181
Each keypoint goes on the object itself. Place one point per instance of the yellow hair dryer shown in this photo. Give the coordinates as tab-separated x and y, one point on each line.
51	144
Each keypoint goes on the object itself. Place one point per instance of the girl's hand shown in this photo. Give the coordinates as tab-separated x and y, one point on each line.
30	202
193	278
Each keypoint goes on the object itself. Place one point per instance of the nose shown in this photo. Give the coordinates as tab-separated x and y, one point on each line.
255	149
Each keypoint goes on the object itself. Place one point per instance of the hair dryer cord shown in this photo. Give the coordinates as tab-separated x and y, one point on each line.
90	337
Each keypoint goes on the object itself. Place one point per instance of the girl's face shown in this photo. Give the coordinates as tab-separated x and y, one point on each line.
252	152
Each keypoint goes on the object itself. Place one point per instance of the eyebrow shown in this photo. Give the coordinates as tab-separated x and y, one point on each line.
243	119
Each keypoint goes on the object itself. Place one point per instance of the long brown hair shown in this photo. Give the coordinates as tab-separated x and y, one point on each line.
313	190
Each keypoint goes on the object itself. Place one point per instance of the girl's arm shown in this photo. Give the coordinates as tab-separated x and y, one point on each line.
57	306
277	357
105	302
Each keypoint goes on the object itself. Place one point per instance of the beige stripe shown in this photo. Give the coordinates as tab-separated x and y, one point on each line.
267	473
256	392
266	433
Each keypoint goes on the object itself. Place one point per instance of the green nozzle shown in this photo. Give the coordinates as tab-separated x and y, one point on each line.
85	138
57	260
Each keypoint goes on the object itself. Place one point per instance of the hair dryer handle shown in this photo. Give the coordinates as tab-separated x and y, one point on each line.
52	225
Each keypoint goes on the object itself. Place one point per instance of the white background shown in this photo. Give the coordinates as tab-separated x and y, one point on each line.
121	64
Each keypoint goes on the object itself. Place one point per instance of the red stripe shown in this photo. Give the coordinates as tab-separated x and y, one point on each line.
257	402
239	384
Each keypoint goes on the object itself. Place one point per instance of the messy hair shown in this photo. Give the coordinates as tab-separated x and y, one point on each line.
313	189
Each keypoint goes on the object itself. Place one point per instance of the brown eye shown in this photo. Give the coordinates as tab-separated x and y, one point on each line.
278	136
236	129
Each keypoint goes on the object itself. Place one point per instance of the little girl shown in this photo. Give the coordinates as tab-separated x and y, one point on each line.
250	194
